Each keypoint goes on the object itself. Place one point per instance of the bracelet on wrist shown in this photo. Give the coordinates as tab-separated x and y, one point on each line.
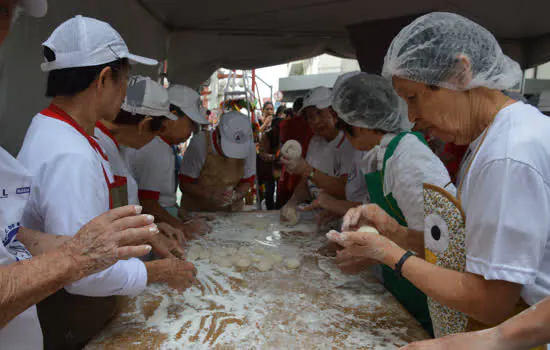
399	266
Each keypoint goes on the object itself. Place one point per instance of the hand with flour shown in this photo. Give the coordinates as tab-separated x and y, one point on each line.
361	248
176	273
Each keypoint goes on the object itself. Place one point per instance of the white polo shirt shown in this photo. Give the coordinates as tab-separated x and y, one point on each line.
154	169
356	187
506	199
69	189
334	158
195	157
23	332
411	165
118	165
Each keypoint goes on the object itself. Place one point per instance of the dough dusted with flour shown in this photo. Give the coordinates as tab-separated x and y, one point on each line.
292	263
264	265
289	216
368	229
291	149
243	262
276	258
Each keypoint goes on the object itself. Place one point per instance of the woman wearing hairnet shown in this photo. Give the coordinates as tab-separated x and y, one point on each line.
396	164
488	248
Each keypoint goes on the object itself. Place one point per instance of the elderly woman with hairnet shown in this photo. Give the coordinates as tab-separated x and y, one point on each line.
395	165
488	247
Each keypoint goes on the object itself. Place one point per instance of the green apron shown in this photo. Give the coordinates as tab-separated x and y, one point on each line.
404	291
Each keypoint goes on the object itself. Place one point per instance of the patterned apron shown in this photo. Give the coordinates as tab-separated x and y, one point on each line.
404	291
445	246
218	172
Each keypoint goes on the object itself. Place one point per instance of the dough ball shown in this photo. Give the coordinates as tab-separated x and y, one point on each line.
231	251
264	265
292	263
244	250
276	258
291	149
225	263
259	251
243	263
368	229
256	259
289	216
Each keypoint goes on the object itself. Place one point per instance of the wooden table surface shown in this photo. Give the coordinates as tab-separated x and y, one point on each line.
312	307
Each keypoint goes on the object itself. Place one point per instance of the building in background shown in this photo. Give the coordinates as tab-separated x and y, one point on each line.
317	71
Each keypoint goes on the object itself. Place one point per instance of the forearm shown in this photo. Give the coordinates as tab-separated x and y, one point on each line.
409	240
529	329
156	272
193	189
39	242
464	292
161	215
334	186
27	282
301	193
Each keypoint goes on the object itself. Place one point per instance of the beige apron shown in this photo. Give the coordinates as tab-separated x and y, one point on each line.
445	246
218	172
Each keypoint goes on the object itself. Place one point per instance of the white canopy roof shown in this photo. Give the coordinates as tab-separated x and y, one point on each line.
198	37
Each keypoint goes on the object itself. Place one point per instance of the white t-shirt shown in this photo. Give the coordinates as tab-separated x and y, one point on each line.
506	199
195	157
154	168
411	165
23	332
334	158
116	160
69	189
356	187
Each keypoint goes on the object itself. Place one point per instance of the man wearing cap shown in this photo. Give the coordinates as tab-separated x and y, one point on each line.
219	167
88	65
141	118
329	157
57	262
155	165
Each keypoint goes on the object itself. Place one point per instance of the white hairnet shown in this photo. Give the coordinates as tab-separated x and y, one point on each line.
429	51
369	101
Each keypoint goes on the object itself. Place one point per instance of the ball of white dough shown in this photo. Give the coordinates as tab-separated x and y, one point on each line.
276	258
259	251
292	263
225	262
368	229
264	265
243	263
290	216
291	149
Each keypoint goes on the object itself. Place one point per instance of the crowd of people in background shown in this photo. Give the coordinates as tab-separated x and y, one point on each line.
395	163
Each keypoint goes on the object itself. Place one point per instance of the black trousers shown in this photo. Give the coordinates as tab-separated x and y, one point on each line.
70	321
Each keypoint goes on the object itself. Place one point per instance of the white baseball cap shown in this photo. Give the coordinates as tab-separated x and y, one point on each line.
147	97
236	134
34	8
189	101
320	97
86	42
